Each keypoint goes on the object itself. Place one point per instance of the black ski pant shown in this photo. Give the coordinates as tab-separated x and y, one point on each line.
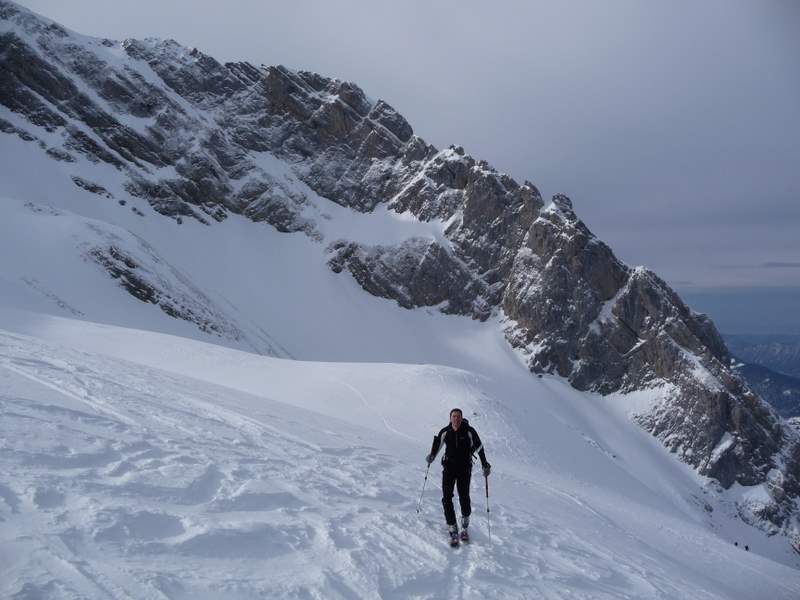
457	476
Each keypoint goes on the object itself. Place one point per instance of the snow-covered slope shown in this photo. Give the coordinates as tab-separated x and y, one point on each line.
152	459
125	480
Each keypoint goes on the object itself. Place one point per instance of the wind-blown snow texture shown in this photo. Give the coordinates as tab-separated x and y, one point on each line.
144	185
217	475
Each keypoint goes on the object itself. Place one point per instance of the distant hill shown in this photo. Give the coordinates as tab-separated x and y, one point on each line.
777	352
781	391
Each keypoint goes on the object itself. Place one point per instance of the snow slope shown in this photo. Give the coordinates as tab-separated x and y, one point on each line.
261	279
151	483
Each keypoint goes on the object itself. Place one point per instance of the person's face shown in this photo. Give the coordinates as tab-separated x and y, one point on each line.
455	420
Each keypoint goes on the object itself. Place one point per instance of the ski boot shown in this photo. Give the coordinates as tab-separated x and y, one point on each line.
464	531
453	530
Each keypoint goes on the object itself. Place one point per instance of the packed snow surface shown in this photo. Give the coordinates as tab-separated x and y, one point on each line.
156	466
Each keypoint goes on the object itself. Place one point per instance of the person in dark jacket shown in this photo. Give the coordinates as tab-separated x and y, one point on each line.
462	443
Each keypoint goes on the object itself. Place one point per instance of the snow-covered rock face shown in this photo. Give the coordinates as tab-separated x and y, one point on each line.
203	140
577	310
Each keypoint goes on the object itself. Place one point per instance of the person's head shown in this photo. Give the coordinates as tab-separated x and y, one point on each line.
456	417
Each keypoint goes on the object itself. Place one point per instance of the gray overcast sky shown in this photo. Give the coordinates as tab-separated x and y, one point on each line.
674	127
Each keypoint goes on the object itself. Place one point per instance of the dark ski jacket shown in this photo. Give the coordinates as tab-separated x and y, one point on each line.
461	445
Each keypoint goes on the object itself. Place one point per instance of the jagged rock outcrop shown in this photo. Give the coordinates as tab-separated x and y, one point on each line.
204	140
144	274
418	272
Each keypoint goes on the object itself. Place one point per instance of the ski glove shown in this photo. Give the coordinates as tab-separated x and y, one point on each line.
487	468
429	459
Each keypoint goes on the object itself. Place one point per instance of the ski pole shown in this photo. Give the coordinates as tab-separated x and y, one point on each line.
488	521
419	504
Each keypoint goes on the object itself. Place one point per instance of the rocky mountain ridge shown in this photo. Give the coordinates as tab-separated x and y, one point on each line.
199	139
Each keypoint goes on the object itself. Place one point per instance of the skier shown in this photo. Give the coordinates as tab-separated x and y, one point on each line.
462	443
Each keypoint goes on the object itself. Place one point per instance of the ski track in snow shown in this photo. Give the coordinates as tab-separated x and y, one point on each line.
123	481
